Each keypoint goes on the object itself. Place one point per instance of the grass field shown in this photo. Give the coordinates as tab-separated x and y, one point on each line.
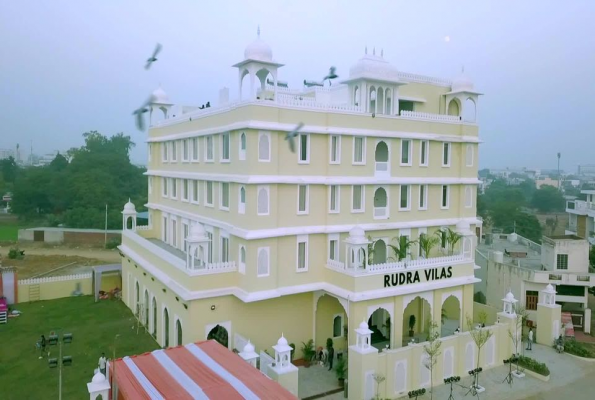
93	325
9	230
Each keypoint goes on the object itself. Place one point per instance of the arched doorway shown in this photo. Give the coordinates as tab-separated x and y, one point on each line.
381	159
372	107
179	340
450	316
331	322
146	306
417	315
469	110
380	324
453	107
380	97
380	203
379	252
388	102
356	96
137	297
219	334
154	318
165	328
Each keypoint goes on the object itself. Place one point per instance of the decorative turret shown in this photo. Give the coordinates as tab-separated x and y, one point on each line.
99	386
356	246
363	339
282	354
249	354
509	301
129	217
197	247
549	295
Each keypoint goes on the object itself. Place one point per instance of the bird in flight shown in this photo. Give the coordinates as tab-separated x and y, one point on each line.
153	58
331	75
138	113
291	135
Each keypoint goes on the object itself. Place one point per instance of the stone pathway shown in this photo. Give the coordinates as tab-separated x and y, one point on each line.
567	375
315	380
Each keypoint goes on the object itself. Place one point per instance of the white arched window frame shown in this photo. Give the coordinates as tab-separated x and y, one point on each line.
242	146
263	203
264	147
468	197
469	155
242	260
242	199
263	262
337	326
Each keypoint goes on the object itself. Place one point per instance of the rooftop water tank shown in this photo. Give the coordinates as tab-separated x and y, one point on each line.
498	257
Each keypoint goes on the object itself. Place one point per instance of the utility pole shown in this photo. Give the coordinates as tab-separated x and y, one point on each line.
559	185
105	235
60	372
114	384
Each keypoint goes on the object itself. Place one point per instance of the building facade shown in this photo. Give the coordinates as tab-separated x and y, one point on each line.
581	217
247	238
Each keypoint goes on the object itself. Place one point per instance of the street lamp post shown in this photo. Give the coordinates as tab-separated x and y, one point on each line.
559	155
61	361
114	385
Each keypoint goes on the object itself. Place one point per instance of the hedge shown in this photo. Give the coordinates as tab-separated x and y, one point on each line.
578	349
533	365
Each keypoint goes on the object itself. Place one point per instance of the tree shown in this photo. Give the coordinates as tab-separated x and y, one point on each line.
59	163
378	378
9	169
547	199
592	256
480	336
452	238
527	225
432	351
527	187
551	224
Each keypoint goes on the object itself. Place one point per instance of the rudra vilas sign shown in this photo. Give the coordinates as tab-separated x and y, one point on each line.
408	277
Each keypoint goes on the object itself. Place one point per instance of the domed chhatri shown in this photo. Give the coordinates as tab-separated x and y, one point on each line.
363	325
160	97
197	231
462	83
258	50
98	378
282	341
248	348
510	296
129	207
549	288
374	67
357	232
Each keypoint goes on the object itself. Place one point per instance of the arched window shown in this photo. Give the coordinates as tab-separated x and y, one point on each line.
469	155
356	96
242	263
264	147
372	106
469	110
388	102
263	201
179	333
263	261
165	328
242	154
242	202
154	318
146	316
468	197
453	107
337	326
137	297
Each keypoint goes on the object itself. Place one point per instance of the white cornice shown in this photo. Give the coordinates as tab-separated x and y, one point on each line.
306	230
313	179
322	130
247	297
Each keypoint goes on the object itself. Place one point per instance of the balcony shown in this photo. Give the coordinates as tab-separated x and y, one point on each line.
564	278
578	207
405	265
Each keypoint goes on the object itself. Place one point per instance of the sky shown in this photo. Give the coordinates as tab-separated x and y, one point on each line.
68	67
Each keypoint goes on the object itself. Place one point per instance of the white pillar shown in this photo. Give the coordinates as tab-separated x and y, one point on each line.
587	322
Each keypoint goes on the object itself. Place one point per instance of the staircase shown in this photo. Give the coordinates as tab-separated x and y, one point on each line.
3	317
34	292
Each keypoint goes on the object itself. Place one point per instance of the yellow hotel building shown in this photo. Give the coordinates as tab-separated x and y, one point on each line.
248	240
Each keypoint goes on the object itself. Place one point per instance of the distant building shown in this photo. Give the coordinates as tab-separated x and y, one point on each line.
547	181
586	169
47	159
581	221
6	153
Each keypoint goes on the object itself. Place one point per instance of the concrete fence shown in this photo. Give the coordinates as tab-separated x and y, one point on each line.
56	287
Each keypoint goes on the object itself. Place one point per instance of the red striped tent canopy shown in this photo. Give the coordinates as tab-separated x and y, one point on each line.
202	370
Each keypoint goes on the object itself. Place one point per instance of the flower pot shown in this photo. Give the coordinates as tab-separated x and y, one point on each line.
411	333
341	382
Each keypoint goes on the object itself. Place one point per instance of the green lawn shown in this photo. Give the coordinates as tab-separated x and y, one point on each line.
93	325
9	230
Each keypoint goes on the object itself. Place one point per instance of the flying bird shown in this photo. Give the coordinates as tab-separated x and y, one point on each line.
331	75
138	113
153	58
291	135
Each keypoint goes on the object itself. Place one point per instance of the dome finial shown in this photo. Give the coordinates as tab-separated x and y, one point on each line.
258	31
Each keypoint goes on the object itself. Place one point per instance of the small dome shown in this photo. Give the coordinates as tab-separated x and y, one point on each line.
160	97
258	50
375	67
463	225
282	341
197	230
549	288
509	296
462	83
98	378
357	232
129	207
363	325
248	348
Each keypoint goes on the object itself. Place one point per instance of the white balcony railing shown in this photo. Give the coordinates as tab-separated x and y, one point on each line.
421	263
380	212
143	227
228	266
430	117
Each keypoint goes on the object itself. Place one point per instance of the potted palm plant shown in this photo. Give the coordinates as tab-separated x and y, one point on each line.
452	238
341	371
308	352
401	249
411	325
427	243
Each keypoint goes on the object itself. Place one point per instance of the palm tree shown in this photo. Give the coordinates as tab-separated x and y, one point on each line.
427	243
371	244
452	238
401	248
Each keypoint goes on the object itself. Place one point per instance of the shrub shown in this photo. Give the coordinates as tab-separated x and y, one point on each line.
112	243
533	365
479	297
292	345
15	253
308	350
578	349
